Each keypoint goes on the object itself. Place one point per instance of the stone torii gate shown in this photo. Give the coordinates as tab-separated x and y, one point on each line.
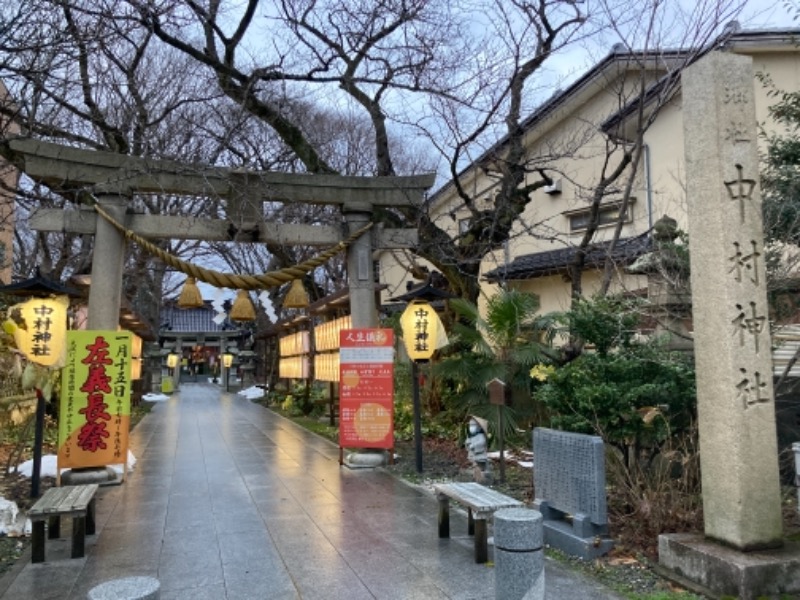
112	179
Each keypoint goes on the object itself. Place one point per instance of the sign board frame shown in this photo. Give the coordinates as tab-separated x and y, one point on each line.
95	406
366	389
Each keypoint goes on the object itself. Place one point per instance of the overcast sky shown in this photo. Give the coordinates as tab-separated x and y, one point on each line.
768	13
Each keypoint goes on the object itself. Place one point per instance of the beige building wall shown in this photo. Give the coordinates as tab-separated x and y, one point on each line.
9	177
665	140
571	130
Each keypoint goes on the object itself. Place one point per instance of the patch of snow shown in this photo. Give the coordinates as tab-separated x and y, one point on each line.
131	463
12	522
8	514
522	458
252	393
151	397
50	465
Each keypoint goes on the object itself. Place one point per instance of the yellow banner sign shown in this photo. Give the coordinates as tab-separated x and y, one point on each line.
94	416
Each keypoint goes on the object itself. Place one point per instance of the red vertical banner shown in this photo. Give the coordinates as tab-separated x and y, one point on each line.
366	388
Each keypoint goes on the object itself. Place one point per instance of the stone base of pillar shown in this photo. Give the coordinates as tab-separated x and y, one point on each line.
366	459
99	475
715	570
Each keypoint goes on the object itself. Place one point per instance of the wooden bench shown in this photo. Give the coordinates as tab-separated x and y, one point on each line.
76	501
481	502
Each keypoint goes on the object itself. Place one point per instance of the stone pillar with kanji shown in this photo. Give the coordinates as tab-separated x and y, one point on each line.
736	408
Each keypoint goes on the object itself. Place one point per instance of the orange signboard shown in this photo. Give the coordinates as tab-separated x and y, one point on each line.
366	388
94	416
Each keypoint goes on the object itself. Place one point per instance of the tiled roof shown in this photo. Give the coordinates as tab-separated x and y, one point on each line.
190	319
618	55
552	262
39	286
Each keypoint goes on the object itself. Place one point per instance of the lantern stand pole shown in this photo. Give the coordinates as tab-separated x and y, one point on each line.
38	437
501	442
223	371
499	397
417	415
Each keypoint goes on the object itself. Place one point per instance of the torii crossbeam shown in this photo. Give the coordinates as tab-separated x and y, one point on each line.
113	178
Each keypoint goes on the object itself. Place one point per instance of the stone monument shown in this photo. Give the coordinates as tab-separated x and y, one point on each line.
738	440
569	480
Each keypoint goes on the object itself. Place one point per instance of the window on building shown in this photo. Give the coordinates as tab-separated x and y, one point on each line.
579	219
376	271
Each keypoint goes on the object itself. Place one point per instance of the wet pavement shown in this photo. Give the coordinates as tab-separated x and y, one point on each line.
230	501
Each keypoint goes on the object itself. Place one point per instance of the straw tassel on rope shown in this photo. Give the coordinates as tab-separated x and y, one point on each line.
243	309
190	295
296	297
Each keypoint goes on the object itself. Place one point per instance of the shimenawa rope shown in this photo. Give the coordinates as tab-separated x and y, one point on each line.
233	281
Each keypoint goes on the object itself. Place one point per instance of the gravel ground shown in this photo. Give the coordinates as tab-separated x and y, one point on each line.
624	571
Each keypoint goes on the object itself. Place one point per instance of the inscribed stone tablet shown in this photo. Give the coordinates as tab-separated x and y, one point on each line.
569	472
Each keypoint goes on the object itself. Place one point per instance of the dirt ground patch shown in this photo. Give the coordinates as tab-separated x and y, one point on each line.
628	568
16	488
443	460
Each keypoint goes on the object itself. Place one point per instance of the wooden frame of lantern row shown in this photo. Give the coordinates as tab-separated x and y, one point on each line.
326	335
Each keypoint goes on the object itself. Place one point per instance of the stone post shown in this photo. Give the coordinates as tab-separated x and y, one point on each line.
360	276
738	440
177	371
518	554
152	366
107	263
796	450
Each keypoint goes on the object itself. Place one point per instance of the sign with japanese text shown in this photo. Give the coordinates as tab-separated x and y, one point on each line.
94	416
423	332
40	329
366	388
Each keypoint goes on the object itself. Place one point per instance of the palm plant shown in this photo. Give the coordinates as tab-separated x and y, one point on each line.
504	344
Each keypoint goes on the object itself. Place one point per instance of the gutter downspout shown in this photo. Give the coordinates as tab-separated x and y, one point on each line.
648	187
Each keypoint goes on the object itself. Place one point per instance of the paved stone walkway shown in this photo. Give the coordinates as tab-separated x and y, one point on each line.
230	501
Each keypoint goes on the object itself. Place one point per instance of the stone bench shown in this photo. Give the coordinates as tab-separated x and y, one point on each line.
76	501
481	502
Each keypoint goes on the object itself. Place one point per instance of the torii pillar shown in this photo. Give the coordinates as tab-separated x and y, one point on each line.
107	266
104	306
360	275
